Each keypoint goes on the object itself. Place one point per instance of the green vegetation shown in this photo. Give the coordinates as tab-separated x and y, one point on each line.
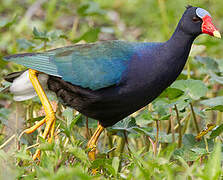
157	142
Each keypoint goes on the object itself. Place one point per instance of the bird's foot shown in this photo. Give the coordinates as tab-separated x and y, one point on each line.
92	152
50	120
92	143
92	157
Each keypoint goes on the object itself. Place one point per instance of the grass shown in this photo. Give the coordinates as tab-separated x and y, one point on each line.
158	142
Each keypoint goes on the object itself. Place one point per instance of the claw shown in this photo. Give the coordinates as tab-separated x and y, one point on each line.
49	131
35	127
50	123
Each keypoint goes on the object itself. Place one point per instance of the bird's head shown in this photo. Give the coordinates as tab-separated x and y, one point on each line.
196	21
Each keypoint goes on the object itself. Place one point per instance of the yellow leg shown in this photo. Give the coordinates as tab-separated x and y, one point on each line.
52	132
92	143
50	115
36	126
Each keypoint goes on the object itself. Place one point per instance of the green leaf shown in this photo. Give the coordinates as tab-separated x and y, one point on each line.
164	137
165	117
209	63
4	113
199	151
190	142
146	114
217	131
68	113
110	169
115	164
90	36
160	106
197	49
144	118
105	164
6	22
40	35
220	64
186	154
46	146
24	44
81	122
66	172
56	34
126	124
22	155
216	78
182	102
161	109
172	93
146	131
195	89
213	166
90	8
79	153
2	63
215	103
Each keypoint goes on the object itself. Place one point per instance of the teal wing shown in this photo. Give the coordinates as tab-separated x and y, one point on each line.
93	66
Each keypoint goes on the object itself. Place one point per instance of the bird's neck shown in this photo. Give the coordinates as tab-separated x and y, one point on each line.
180	41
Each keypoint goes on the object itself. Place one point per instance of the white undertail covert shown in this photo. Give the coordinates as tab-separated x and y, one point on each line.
22	88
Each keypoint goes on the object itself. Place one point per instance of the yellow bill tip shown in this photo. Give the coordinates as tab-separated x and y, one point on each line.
217	34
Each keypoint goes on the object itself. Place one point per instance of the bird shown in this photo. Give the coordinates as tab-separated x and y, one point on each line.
107	80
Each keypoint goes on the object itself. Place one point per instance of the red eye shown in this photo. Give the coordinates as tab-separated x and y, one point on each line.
196	19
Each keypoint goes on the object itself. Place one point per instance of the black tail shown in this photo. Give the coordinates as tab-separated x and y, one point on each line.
10	77
7	58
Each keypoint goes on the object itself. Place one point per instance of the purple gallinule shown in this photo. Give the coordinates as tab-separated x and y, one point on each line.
107	80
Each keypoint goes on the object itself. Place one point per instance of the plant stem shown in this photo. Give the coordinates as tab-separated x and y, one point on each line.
126	140
188	68
164	16
206	78
150	107
219	117
7	141
74	28
110	144
17	143
187	120
44	46
153	144
172	127
157	137
169	127
147	144
87	129
182	120
120	146
195	119
179	129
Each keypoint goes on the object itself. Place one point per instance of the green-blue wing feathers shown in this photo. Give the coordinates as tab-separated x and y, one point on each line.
93	66
38	61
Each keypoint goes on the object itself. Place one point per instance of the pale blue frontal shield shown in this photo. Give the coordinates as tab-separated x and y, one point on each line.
201	13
